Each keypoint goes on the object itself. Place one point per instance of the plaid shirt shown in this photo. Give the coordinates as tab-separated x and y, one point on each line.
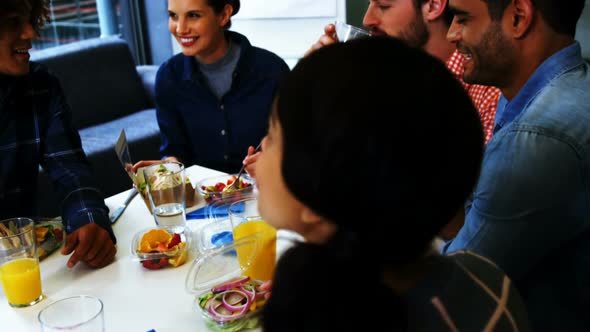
36	129
485	98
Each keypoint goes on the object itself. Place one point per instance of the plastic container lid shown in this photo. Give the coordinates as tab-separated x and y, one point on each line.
215	228
220	264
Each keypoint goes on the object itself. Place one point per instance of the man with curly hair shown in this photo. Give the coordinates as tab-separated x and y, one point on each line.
36	130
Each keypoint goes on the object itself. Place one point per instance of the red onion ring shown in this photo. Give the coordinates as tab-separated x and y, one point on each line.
236	282
251	293
231	304
222	317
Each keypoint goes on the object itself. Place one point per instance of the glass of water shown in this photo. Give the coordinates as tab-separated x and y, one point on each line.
165	184
346	32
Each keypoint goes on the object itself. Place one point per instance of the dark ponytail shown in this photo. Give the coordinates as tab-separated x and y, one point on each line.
218	6
330	287
235	4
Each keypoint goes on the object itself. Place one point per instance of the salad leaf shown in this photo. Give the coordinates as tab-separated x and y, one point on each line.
235	326
204	298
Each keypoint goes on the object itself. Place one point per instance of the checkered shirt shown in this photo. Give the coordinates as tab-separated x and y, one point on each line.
485	98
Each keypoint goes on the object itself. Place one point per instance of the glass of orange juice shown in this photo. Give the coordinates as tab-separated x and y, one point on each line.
246	222
19	264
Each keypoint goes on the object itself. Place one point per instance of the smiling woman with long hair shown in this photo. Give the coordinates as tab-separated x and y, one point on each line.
214	97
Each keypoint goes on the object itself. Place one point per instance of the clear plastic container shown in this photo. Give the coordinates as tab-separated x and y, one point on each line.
216	267
159	253
50	235
211	225
210	190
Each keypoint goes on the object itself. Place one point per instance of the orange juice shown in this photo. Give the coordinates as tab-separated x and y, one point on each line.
263	264
21	279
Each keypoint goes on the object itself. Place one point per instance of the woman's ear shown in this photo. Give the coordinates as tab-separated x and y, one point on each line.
318	229
309	217
432	10
225	14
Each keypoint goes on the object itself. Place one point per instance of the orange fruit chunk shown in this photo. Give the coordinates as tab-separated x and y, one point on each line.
41	233
154	238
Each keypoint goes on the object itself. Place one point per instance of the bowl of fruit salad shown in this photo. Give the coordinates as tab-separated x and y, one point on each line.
160	247
212	189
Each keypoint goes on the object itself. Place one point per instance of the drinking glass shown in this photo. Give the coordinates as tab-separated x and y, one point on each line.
165	184
246	221
76	313
346	32
19	263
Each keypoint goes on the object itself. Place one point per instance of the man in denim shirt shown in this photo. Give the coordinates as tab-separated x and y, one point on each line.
36	129
530	211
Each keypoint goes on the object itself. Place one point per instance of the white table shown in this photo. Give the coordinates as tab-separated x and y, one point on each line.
135	299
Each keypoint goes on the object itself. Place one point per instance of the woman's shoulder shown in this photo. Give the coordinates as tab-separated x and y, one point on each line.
173	66
170	73
329	291
470	291
262	57
266	63
267	55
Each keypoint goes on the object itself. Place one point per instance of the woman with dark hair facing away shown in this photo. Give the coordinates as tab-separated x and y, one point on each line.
213	99
349	164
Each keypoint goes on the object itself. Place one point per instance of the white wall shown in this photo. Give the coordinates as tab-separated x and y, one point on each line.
289	37
288	27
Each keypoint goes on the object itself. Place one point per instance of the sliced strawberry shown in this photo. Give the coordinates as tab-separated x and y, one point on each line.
58	234
175	240
219	186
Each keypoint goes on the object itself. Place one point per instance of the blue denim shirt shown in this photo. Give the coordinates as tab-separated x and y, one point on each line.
530	211
200	128
36	129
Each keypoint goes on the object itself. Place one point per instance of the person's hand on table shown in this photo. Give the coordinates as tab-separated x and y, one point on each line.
90	244
143	163
329	37
250	160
